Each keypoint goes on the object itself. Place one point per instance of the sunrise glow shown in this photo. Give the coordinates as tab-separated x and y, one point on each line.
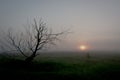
82	47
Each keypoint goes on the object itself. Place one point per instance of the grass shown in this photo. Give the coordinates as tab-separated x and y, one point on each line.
60	68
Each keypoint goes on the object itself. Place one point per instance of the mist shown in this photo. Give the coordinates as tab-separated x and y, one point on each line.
93	23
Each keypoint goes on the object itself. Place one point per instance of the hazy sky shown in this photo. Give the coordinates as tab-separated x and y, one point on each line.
94	23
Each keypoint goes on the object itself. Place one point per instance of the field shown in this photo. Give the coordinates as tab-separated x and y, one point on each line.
62	65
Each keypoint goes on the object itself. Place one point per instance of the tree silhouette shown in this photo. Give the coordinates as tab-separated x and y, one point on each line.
36	37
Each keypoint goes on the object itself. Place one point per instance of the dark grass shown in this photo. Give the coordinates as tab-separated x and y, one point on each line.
59	69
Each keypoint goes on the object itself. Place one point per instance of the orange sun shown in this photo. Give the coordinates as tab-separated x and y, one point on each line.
82	47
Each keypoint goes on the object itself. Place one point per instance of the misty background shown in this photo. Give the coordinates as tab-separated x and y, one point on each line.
94	23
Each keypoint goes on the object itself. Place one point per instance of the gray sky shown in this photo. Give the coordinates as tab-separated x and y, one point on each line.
94	23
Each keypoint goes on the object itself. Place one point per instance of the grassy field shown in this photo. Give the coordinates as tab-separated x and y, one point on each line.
58	66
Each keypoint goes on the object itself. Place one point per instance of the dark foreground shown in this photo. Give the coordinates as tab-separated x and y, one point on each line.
15	69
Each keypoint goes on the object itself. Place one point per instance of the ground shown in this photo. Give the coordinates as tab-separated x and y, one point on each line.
58	68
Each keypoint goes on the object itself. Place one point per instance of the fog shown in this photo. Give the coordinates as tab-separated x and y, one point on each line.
93	23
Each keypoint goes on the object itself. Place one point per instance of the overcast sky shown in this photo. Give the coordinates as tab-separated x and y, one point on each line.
94	23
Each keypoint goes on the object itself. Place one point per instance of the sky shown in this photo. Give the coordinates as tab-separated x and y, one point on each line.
93	23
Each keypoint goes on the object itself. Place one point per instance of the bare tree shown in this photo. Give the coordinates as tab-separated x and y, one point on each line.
36	37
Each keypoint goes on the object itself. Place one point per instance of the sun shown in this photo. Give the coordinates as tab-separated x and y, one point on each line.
82	47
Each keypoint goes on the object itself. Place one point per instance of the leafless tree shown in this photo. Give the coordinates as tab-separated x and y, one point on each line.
36	37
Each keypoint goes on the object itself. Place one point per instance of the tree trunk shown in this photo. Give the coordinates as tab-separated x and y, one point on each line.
30	59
